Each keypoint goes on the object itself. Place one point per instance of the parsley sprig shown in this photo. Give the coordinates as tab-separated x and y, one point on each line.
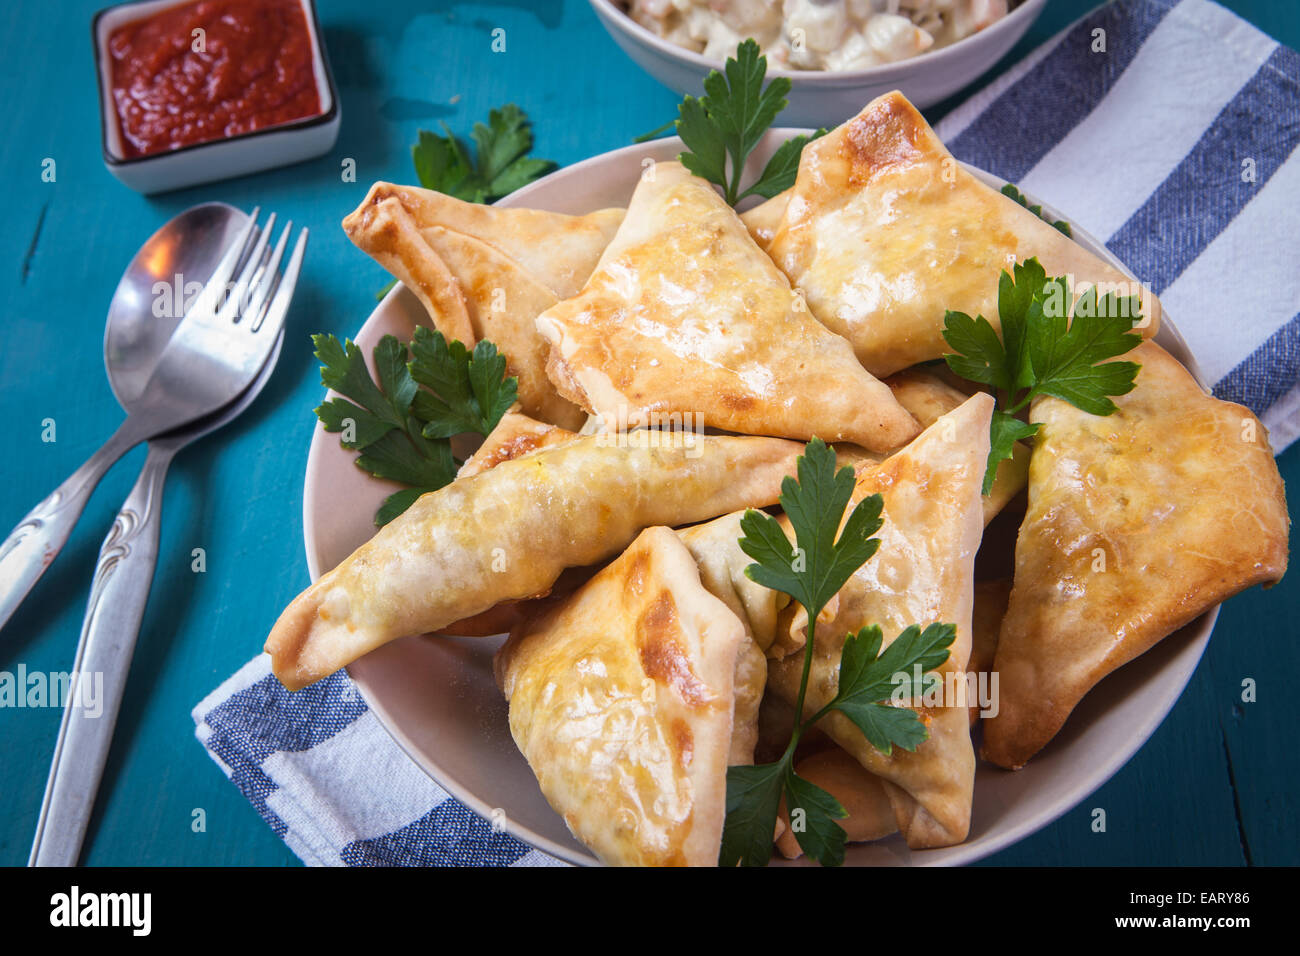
812	571
1060	225
722	127
1044	352
402	430
499	167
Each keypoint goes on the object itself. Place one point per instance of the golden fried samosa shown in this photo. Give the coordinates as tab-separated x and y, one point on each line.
621	701
715	546
484	272
685	314
884	231
922	574
763	220
502	302
507	533
557	250
986	621
514	436
1138	522
928	398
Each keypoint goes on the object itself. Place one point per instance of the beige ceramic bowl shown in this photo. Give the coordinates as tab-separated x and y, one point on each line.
437	698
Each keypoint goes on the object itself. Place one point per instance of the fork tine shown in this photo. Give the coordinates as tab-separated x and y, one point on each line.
232	310
209	298
278	307
269	279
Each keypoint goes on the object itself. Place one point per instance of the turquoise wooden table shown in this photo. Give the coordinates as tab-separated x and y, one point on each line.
1215	785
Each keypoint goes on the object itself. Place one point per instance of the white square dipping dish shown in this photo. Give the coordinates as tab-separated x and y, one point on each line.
226	158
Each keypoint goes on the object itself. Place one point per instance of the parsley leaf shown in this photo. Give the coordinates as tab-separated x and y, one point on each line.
869	679
403	431
753	799
721	128
979	356
813	813
344	370
358	426
738	102
827	550
441	164
500	167
654	133
781	170
1042	351
1063	354
394	377
469	391
1004	431
409	459
707	156
815	505
1059	225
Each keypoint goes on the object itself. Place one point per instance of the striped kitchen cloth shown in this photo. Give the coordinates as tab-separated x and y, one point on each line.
1168	129
1172	133
322	771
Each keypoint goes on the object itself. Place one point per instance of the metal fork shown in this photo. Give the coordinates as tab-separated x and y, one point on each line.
120	588
214	354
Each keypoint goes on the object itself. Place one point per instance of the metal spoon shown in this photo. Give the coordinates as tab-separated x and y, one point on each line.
120	588
145	311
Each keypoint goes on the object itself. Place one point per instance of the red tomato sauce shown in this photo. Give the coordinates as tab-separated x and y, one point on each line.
253	68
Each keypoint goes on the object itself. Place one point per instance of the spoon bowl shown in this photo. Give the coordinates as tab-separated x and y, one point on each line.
150	299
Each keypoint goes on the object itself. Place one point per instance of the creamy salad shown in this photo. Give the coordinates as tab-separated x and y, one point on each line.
835	35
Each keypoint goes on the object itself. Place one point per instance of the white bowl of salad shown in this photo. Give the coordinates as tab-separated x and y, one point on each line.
838	54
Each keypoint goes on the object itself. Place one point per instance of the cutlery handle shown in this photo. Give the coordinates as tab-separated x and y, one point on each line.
118	596
34	544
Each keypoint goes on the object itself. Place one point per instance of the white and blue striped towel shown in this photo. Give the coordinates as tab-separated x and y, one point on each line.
1177	143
